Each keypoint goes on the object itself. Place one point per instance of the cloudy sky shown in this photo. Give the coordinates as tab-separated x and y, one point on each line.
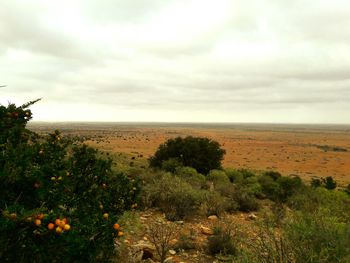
178	60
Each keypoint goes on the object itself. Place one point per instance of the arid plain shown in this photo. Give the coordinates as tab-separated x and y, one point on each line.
304	150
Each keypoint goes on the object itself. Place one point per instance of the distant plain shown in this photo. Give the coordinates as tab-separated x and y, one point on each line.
292	149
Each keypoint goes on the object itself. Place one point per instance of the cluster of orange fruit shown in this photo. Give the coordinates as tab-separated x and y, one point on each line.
61	225
116	226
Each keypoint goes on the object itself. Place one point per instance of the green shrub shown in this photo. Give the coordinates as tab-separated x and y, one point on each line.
53	177
225	240
234	175
329	183
215	204
218	177
202	154
316	182
273	174
319	237
245	199
175	197
171	165
191	176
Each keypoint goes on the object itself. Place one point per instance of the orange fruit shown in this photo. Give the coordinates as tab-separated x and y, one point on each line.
105	215
57	222
66	227
116	226
59	178
61	224
37	222
120	233
64	220
50	226
13	216
40	216
58	230
53	178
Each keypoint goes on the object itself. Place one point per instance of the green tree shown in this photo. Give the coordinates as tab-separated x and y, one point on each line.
58	200
203	154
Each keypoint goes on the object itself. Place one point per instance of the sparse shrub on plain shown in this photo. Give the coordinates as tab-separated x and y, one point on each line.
329	183
203	154
316	182
245	199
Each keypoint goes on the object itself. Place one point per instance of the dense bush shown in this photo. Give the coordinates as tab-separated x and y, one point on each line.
202	154
59	201
174	196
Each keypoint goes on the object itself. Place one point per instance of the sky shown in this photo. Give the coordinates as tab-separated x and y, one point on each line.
270	61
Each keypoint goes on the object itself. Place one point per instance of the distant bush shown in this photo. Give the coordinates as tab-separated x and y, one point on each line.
202	154
171	165
245	199
329	183
316	182
273	174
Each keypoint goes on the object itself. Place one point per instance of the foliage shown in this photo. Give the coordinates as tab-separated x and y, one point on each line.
175	197
191	176
202	154
329	183
44	179
225	240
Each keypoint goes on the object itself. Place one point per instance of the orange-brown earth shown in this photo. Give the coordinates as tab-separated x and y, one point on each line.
304	150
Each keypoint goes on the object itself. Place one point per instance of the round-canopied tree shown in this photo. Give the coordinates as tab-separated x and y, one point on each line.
203	154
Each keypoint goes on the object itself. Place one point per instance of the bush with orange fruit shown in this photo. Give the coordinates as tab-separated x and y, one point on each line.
46	179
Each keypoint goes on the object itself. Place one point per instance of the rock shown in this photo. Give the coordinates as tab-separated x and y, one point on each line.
145	238
179	222
173	242
252	216
172	252
213	217
206	230
143	218
146	249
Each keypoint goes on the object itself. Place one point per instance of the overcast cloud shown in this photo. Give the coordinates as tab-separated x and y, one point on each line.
172	60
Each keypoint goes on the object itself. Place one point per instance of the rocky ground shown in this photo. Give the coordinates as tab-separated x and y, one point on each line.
187	241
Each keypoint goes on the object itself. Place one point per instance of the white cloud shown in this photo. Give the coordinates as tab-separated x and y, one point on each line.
261	61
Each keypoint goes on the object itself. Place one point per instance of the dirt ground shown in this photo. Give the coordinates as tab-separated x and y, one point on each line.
304	150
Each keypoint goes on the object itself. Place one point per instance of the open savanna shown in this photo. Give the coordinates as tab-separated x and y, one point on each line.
304	150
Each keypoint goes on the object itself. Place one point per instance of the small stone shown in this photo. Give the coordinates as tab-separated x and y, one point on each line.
213	217
252	216
179	222
143	218
172	252
145	238
206	230
173	242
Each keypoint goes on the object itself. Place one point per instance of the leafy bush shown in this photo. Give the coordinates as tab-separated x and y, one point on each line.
245	199
58	200
202	154
319	237
225	240
329	183
215	204
218	177
175	197
191	176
